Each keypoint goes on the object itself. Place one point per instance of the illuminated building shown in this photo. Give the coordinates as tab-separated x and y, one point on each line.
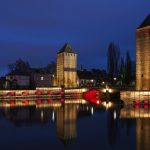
67	67
143	55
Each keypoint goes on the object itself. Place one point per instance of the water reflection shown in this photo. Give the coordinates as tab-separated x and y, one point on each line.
107	126
142	118
66	118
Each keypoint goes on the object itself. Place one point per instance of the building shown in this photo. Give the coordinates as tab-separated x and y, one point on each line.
143	55
66	67
40	77
16	80
85	79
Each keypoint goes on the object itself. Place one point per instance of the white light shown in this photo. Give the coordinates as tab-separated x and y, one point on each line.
42	78
87	108
103	82
115	78
42	115
115	115
53	116
92	81
92	111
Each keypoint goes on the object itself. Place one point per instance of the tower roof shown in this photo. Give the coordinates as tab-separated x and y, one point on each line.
66	48
145	23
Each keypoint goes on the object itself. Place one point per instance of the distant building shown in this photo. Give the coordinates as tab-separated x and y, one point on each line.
143	55
17	80
66	67
85	79
41	78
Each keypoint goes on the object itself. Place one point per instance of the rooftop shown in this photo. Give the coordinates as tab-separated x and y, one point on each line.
66	48
145	23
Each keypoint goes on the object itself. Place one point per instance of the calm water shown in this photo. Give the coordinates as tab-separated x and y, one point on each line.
74	126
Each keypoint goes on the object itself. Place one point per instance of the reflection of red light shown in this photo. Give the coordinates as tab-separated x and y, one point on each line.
145	106
136	106
50	101
11	102
62	92
146	101
26	102
39	101
62	100
136	101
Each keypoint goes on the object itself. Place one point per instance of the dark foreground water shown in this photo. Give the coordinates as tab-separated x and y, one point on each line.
74	126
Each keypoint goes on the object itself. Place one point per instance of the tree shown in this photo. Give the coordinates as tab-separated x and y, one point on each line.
122	71
51	68
19	66
113	58
128	69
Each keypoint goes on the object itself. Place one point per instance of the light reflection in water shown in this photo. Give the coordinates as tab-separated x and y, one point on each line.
67	116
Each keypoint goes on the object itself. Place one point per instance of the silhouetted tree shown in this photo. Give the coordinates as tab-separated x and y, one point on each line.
113	58
51	68
128	69
19	66
122	71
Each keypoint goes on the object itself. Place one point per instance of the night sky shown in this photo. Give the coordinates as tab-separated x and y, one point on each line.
35	30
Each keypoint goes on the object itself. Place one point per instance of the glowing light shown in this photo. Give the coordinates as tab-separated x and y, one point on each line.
115	78
115	115
53	116
42	115
92	111
145	106
97	102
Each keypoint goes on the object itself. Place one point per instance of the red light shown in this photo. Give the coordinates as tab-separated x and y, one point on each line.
146	101
136	106
62	100
136	101
38	92
26	102
39	101
11	102
145	106
50	101
49	92
25	93
11	93
62	92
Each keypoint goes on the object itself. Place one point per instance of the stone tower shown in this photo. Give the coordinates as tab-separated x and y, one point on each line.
143	55
67	67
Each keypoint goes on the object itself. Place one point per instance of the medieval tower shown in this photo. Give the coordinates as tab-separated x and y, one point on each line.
143	55
66	67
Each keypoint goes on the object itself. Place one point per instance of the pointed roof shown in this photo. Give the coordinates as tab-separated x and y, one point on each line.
66	48
145	23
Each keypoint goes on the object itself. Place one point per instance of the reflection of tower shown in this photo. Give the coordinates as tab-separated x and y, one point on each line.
66	67
143	134
143	55
66	122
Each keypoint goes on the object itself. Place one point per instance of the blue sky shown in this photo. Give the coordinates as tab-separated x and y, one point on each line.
35	30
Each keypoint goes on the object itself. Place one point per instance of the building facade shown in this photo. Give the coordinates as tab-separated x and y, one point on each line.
66	67
143	55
